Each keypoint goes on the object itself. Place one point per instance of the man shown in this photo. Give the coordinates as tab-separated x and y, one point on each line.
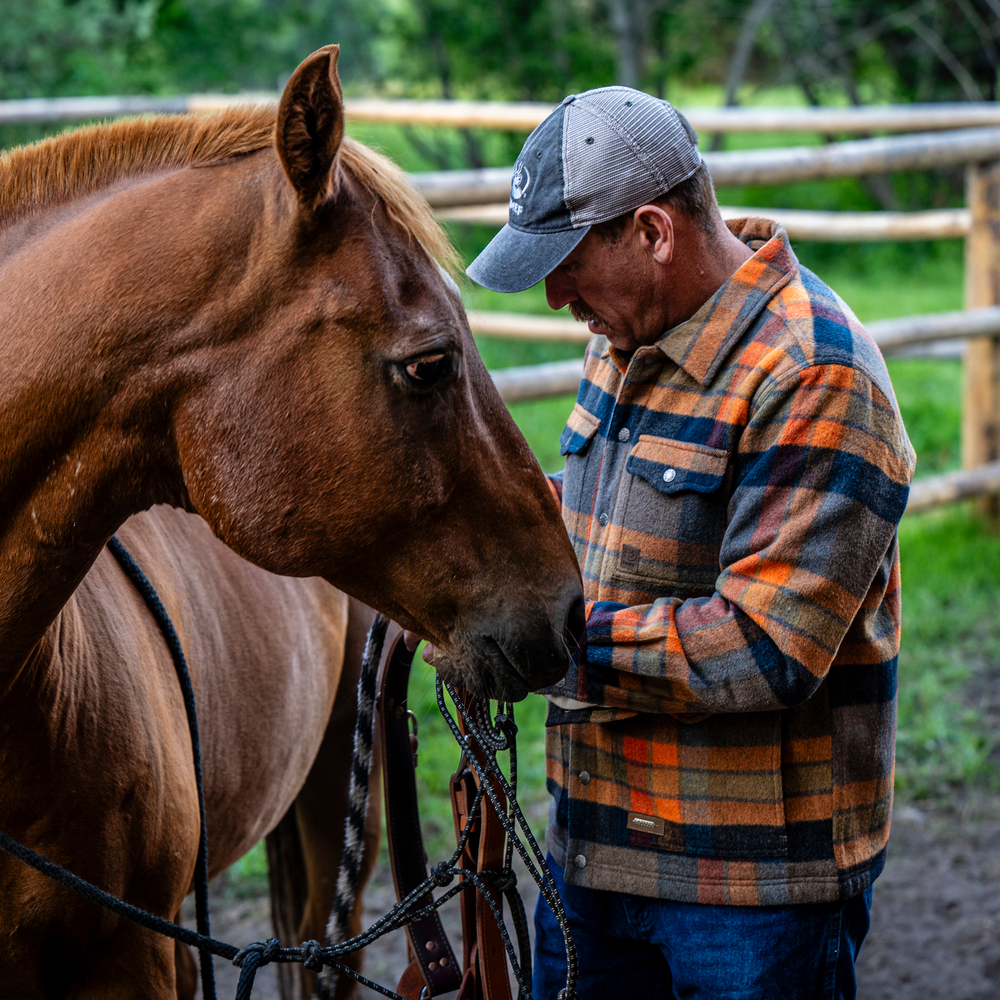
721	756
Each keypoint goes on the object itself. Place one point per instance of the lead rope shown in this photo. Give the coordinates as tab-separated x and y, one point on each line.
146	590
490	740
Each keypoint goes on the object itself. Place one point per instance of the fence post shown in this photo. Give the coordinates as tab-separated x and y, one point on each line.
981	390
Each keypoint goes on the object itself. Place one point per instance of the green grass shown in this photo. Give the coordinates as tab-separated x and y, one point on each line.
929	392
248	877
949	654
882	281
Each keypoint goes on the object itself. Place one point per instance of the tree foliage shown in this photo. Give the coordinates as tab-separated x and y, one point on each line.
927	50
530	49
51	47
852	51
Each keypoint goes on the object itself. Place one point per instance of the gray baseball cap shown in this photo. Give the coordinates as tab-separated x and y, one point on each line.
599	155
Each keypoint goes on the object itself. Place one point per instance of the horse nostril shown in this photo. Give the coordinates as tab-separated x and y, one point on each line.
576	623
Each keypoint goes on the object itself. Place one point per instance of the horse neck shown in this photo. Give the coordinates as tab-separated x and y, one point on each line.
96	336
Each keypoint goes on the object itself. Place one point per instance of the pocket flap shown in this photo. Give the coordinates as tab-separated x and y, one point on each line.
580	428
671	465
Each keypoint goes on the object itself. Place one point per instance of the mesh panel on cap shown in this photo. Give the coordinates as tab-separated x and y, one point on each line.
639	150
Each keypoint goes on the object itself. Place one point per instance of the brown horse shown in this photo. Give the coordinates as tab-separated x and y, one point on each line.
241	318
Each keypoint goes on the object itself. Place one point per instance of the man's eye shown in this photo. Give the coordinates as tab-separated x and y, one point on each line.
429	369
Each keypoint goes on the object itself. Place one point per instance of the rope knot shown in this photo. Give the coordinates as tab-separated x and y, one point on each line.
312	952
505	879
267	950
505	723
441	876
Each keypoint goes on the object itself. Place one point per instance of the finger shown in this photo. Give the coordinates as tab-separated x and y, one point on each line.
411	640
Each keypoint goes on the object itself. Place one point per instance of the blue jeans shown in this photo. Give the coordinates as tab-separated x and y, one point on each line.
636	948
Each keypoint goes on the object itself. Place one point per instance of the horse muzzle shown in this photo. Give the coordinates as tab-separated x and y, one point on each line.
506	660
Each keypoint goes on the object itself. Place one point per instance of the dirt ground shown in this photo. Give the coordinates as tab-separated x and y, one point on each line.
935	919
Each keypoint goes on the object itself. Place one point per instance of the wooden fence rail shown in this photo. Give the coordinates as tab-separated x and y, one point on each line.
936	491
890	334
801	224
524	116
739	168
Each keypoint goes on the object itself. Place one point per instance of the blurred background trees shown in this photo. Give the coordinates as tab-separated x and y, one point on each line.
828	50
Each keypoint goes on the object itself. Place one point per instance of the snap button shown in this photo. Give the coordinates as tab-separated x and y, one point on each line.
669	475
584	777
580	861
623	434
604	519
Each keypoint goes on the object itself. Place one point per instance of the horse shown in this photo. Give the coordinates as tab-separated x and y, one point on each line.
230	339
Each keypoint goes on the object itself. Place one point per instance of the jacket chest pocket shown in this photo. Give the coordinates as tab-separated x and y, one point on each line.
670	515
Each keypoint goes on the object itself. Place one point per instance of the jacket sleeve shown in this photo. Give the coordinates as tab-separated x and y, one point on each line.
820	482
555	481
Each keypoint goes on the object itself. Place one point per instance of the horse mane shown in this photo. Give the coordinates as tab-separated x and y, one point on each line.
77	163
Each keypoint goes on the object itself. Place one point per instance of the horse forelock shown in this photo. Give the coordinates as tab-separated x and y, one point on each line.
403	203
75	164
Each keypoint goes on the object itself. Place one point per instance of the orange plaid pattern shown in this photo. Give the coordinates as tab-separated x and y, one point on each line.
733	493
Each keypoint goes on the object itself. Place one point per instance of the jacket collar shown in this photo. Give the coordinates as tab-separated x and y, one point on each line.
701	344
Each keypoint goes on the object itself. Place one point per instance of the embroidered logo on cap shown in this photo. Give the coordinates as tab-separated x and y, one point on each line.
519	187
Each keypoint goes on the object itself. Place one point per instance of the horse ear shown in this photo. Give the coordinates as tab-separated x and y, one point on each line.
311	125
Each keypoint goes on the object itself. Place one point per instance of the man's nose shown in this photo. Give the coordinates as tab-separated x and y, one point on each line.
559	290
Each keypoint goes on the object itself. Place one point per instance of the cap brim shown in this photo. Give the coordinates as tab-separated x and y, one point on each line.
515	260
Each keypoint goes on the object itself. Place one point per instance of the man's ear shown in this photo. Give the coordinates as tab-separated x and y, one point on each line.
311	125
655	231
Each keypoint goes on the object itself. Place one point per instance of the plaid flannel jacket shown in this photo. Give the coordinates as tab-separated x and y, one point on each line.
733	494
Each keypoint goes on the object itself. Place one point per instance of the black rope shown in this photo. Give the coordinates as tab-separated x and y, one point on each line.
537	868
141	583
491	737
91	892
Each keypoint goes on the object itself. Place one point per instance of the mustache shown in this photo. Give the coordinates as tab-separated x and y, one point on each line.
582	313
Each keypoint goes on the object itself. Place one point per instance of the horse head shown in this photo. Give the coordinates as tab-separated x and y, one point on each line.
349	429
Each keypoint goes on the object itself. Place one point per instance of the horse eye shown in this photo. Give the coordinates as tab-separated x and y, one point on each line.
429	369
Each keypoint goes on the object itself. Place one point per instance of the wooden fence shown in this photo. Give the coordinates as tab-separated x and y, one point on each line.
947	135
524	116
783	165
801	224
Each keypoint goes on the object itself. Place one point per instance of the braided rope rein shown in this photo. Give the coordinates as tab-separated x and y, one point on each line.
358	798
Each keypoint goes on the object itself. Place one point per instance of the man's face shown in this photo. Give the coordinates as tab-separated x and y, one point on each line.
612	287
